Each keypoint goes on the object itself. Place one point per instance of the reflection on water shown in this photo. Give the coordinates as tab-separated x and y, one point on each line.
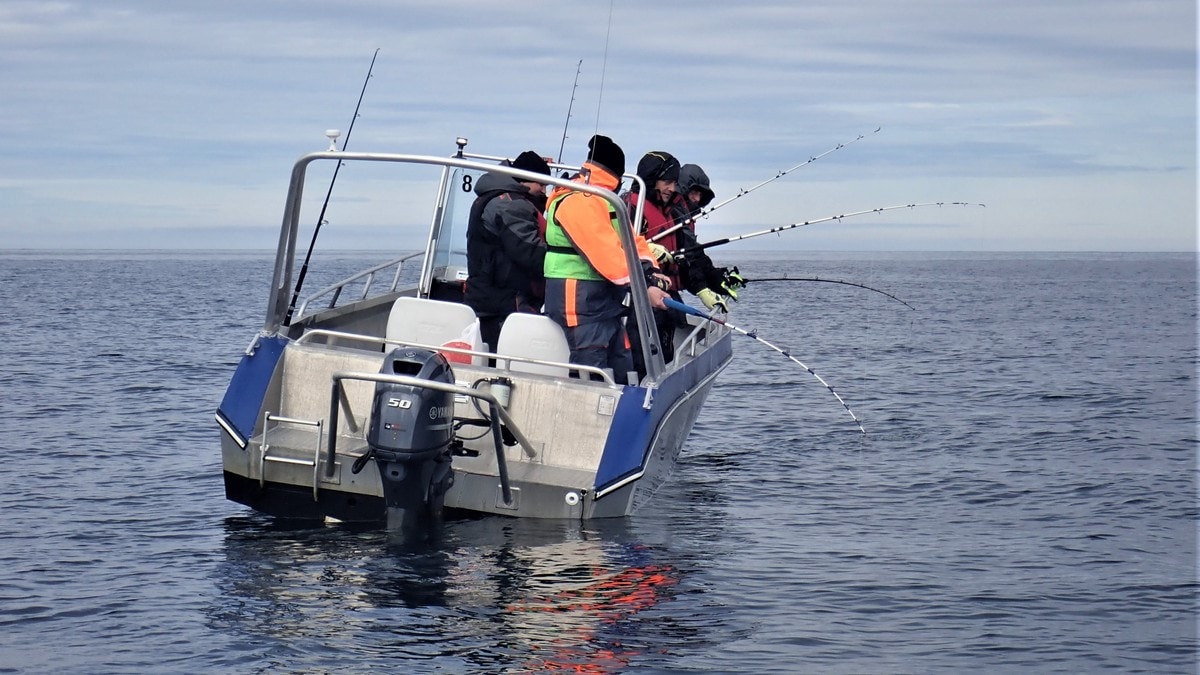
485	594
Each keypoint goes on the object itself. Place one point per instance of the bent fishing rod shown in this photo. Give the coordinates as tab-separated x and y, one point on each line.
784	228
832	281
321	218
570	106
688	309
745	191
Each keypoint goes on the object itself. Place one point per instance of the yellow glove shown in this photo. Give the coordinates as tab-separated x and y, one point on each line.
712	301
733	282
661	255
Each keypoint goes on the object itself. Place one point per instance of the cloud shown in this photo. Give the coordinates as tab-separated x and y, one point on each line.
192	112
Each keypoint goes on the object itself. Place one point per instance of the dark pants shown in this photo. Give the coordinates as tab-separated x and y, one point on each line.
590	313
489	330
665	321
601	344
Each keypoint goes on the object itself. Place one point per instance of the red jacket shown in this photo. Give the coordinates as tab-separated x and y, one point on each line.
655	219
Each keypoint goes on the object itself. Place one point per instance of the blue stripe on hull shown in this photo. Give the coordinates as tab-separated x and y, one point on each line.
628	447
243	399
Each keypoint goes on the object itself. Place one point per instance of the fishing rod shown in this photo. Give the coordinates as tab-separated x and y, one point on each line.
745	191
688	309
832	281
566	124
782	228
604	65
321	218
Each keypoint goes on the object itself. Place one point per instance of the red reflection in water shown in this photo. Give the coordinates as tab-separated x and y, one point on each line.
582	616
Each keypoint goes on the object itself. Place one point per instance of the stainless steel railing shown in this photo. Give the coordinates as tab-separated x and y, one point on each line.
365	277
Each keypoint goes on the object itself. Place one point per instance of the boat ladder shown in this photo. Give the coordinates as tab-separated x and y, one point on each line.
265	448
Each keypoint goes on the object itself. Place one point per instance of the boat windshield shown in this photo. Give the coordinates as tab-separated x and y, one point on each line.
449	255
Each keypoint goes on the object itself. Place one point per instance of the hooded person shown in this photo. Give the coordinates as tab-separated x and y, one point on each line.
700	276
505	248
659	170
695	189
587	276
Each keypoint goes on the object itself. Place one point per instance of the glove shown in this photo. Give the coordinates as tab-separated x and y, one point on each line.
712	301
732	283
657	280
661	255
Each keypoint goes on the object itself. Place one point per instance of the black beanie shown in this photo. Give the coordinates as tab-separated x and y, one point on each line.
607	154
531	161
658	165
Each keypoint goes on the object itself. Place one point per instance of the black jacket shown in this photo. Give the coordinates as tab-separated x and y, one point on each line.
699	272
505	248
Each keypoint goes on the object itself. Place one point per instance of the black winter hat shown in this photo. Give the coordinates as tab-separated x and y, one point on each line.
531	161
607	154
658	165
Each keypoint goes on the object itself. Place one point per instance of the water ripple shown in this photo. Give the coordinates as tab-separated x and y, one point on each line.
1024	499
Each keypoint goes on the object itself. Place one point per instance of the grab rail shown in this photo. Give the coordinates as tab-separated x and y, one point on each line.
701	333
281	279
591	370
335	396
337	288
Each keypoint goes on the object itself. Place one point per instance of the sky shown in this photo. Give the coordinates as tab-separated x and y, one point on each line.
148	124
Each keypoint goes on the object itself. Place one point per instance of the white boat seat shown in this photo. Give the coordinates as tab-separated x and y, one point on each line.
436	322
537	337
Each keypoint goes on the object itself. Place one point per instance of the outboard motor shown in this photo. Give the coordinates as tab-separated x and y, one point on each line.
410	433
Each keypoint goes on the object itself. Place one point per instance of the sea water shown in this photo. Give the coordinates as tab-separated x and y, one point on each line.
1024	499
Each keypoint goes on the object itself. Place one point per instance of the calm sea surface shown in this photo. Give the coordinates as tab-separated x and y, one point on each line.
1025	499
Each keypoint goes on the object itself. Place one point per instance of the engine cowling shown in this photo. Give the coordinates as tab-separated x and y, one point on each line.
410	432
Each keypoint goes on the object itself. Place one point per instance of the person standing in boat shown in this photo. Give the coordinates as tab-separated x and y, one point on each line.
506	248
701	277
660	171
587	277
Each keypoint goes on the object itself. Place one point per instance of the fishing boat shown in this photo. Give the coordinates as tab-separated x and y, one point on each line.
376	401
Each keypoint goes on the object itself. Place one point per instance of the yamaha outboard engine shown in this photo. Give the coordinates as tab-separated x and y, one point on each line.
410	433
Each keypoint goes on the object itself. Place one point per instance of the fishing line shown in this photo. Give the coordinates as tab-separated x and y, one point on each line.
745	191
830	281
321	218
570	107
688	309
782	228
